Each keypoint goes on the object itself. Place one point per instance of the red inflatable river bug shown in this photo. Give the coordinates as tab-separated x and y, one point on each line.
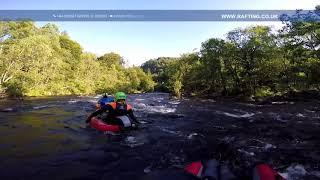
102	126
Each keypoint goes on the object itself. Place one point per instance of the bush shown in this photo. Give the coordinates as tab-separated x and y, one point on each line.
264	92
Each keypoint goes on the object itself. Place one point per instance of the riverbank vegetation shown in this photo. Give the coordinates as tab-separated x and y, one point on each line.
42	61
252	61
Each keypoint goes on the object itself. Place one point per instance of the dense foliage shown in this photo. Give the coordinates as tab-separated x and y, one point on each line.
158	68
38	61
252	61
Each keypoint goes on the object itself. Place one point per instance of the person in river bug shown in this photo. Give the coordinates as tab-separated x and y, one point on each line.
116	110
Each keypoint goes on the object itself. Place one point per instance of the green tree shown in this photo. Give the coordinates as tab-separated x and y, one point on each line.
157	68
300	43
73	47
38	61
111	59
138	81
255	47
212	59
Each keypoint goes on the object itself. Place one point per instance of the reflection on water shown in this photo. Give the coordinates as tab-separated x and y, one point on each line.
37	133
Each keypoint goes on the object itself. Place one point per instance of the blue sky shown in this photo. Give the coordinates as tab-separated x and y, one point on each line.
140	41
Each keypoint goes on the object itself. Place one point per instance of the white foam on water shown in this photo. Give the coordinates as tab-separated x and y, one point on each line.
300	115
309	111
139	99
159	98
284	175
160	109
132	141
143	122
269	146
72	101
156	109
246	115
97	97
315	173
277	117
282	102
190	136
207	100
228	139
170	131
42	107
296	171
147	169
91	101
7	110
39	107
246	152
139	106
174	102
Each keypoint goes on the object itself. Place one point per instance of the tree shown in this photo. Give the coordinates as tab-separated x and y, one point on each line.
111	59
301	42
37	61
157	68
212	62
255	47
73	47
138	81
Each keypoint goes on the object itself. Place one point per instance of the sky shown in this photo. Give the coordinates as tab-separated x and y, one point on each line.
138	42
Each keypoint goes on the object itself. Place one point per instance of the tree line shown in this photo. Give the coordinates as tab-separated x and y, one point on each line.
42	61
252	61
257	60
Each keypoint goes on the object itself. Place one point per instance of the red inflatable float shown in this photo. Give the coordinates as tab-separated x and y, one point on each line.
102	126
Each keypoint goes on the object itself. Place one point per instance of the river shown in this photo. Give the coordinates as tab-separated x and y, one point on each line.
47	138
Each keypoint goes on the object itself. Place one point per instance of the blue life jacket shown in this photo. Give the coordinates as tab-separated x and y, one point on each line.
104	101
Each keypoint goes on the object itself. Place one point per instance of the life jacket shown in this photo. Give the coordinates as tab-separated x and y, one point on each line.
118	108
120	112
103	101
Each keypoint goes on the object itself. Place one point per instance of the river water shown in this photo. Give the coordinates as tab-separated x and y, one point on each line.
47	138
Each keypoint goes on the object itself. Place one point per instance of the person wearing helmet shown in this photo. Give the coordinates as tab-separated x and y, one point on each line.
114	110
104	100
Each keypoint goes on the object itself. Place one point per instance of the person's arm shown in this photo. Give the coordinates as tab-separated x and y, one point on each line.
131	115
100	111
